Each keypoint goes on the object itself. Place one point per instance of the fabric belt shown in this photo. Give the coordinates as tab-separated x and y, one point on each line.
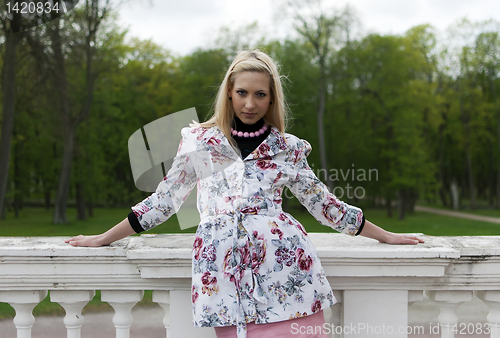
244	239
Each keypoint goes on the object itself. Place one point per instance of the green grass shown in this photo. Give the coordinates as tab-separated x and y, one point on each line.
488	212
38	222
419	222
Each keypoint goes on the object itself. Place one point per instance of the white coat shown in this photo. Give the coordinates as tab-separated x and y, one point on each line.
251	260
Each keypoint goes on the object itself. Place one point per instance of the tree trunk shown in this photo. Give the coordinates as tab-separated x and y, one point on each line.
318	34
402	204
3	209
321	133
388	204
468	160
491	176
80	202
68	129
441	140
412	200
454	194
46	195
8	88
61	201
472	185
442	195
93	20
17	179
90	207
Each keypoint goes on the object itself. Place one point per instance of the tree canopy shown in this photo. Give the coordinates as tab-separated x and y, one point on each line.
405	117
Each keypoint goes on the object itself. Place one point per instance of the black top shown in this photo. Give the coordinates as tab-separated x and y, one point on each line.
248	144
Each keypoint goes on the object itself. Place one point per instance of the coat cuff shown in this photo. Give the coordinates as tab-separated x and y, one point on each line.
134	222
361	226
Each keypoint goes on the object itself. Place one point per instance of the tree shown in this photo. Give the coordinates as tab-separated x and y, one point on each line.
471	48
11	24
392	98
76	34
488	59
318	28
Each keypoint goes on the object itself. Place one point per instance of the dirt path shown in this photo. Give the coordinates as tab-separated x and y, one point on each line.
458	214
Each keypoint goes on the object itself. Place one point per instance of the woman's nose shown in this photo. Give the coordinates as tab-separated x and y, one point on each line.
249	103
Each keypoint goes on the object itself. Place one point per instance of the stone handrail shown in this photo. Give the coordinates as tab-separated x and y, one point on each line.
373	282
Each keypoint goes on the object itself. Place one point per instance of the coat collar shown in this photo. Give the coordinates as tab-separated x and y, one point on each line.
218	142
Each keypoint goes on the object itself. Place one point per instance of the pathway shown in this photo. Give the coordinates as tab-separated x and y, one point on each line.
458	214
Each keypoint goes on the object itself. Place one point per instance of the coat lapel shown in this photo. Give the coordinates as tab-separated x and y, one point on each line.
218	142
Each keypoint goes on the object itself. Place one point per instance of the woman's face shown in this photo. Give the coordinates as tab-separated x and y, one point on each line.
251	96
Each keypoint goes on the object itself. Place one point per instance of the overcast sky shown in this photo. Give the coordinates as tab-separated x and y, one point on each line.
183	25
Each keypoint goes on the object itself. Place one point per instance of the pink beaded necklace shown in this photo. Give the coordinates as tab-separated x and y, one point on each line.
251	134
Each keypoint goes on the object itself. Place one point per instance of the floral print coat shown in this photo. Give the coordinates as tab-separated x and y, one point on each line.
251	260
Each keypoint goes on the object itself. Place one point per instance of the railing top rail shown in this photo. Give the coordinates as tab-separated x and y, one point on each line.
150	246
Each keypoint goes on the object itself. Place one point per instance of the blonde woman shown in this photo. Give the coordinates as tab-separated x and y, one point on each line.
255	270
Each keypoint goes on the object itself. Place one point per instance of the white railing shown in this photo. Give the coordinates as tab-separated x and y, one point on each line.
376	283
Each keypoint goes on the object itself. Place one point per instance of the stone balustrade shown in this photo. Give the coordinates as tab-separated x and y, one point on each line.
374	283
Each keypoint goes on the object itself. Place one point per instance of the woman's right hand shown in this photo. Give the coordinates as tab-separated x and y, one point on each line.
119	231
92	241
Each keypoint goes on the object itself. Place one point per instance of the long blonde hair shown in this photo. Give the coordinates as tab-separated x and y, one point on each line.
249	61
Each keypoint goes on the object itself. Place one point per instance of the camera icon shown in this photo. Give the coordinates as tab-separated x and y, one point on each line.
152	150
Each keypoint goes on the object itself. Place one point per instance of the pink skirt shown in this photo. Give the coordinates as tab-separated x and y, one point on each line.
304	327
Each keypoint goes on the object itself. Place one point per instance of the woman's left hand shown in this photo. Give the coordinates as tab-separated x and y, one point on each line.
393	238
370	230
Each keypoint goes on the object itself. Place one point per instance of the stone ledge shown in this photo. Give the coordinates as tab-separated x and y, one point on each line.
154	260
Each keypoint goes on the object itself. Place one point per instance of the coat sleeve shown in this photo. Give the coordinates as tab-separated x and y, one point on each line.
173	190
326	208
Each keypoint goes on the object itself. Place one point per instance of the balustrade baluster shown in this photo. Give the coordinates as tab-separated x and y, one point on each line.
73	302
122	302
492	299
448	302
336	315
415	296
163	299
375	313
23	302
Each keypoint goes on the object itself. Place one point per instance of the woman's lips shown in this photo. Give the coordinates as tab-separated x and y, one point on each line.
249	114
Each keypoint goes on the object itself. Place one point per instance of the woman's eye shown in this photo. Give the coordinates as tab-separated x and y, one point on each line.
261	94
240	92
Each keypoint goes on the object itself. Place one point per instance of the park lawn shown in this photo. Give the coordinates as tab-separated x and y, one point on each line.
418	222
482	209
37	222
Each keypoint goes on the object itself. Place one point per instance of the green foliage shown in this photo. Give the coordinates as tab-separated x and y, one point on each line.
199	76
412	108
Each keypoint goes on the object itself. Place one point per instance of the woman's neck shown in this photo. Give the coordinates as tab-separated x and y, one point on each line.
240	126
